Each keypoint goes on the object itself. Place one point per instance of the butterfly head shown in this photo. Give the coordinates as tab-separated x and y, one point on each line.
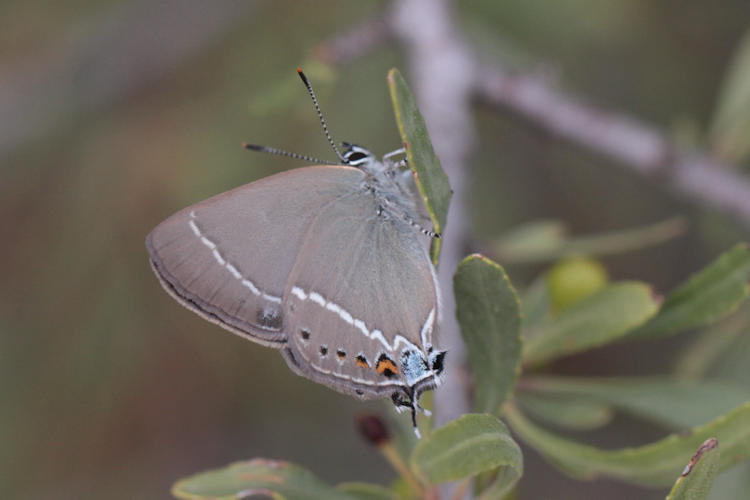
357	156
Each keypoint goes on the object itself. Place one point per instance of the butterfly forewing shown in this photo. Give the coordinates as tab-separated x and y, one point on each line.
228	258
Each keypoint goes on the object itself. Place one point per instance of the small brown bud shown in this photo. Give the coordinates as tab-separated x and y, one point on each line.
373	429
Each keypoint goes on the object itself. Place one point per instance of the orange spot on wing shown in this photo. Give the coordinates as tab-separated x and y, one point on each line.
386	364
362	362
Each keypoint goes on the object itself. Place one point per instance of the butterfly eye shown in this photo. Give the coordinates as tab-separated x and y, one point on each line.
356	157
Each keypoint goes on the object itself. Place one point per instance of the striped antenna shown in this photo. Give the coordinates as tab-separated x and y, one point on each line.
320	114
281	152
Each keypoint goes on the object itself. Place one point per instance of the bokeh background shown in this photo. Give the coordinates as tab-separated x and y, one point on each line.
113	115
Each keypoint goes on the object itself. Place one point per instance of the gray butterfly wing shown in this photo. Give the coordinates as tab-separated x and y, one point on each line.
228	257
362	292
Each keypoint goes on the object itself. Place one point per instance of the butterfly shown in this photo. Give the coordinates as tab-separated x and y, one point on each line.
326	263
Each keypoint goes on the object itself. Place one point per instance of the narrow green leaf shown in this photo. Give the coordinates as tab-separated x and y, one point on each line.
431	180
730	128
706	297
465	447
595	321
676	403
567	413
535	303
545	241
698	476
534	241
488	311
656	464
260	476
705	351
366	491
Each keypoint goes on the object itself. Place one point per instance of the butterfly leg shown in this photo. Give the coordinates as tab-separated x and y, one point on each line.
402	404
396	167
387	157
407	218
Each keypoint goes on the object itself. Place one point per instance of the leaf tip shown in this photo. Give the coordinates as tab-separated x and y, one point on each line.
708	444
656	296
391	75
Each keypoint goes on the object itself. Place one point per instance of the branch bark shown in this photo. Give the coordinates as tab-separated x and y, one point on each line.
356	42
632	143
441	70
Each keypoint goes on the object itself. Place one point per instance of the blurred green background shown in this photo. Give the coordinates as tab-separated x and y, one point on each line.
114	115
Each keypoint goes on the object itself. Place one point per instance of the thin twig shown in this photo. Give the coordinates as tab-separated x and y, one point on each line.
355	43
632	143
440	71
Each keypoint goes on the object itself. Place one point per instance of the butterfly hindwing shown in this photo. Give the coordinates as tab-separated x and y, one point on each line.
359	294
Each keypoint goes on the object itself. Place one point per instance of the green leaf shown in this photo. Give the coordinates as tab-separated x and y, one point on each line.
431	180
730	128
545	241
465	447
488	311
535	303
656	464
698	476
695	359
675	403
502	483
366	491
568	413
275	479
595	321
706	297
534	241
